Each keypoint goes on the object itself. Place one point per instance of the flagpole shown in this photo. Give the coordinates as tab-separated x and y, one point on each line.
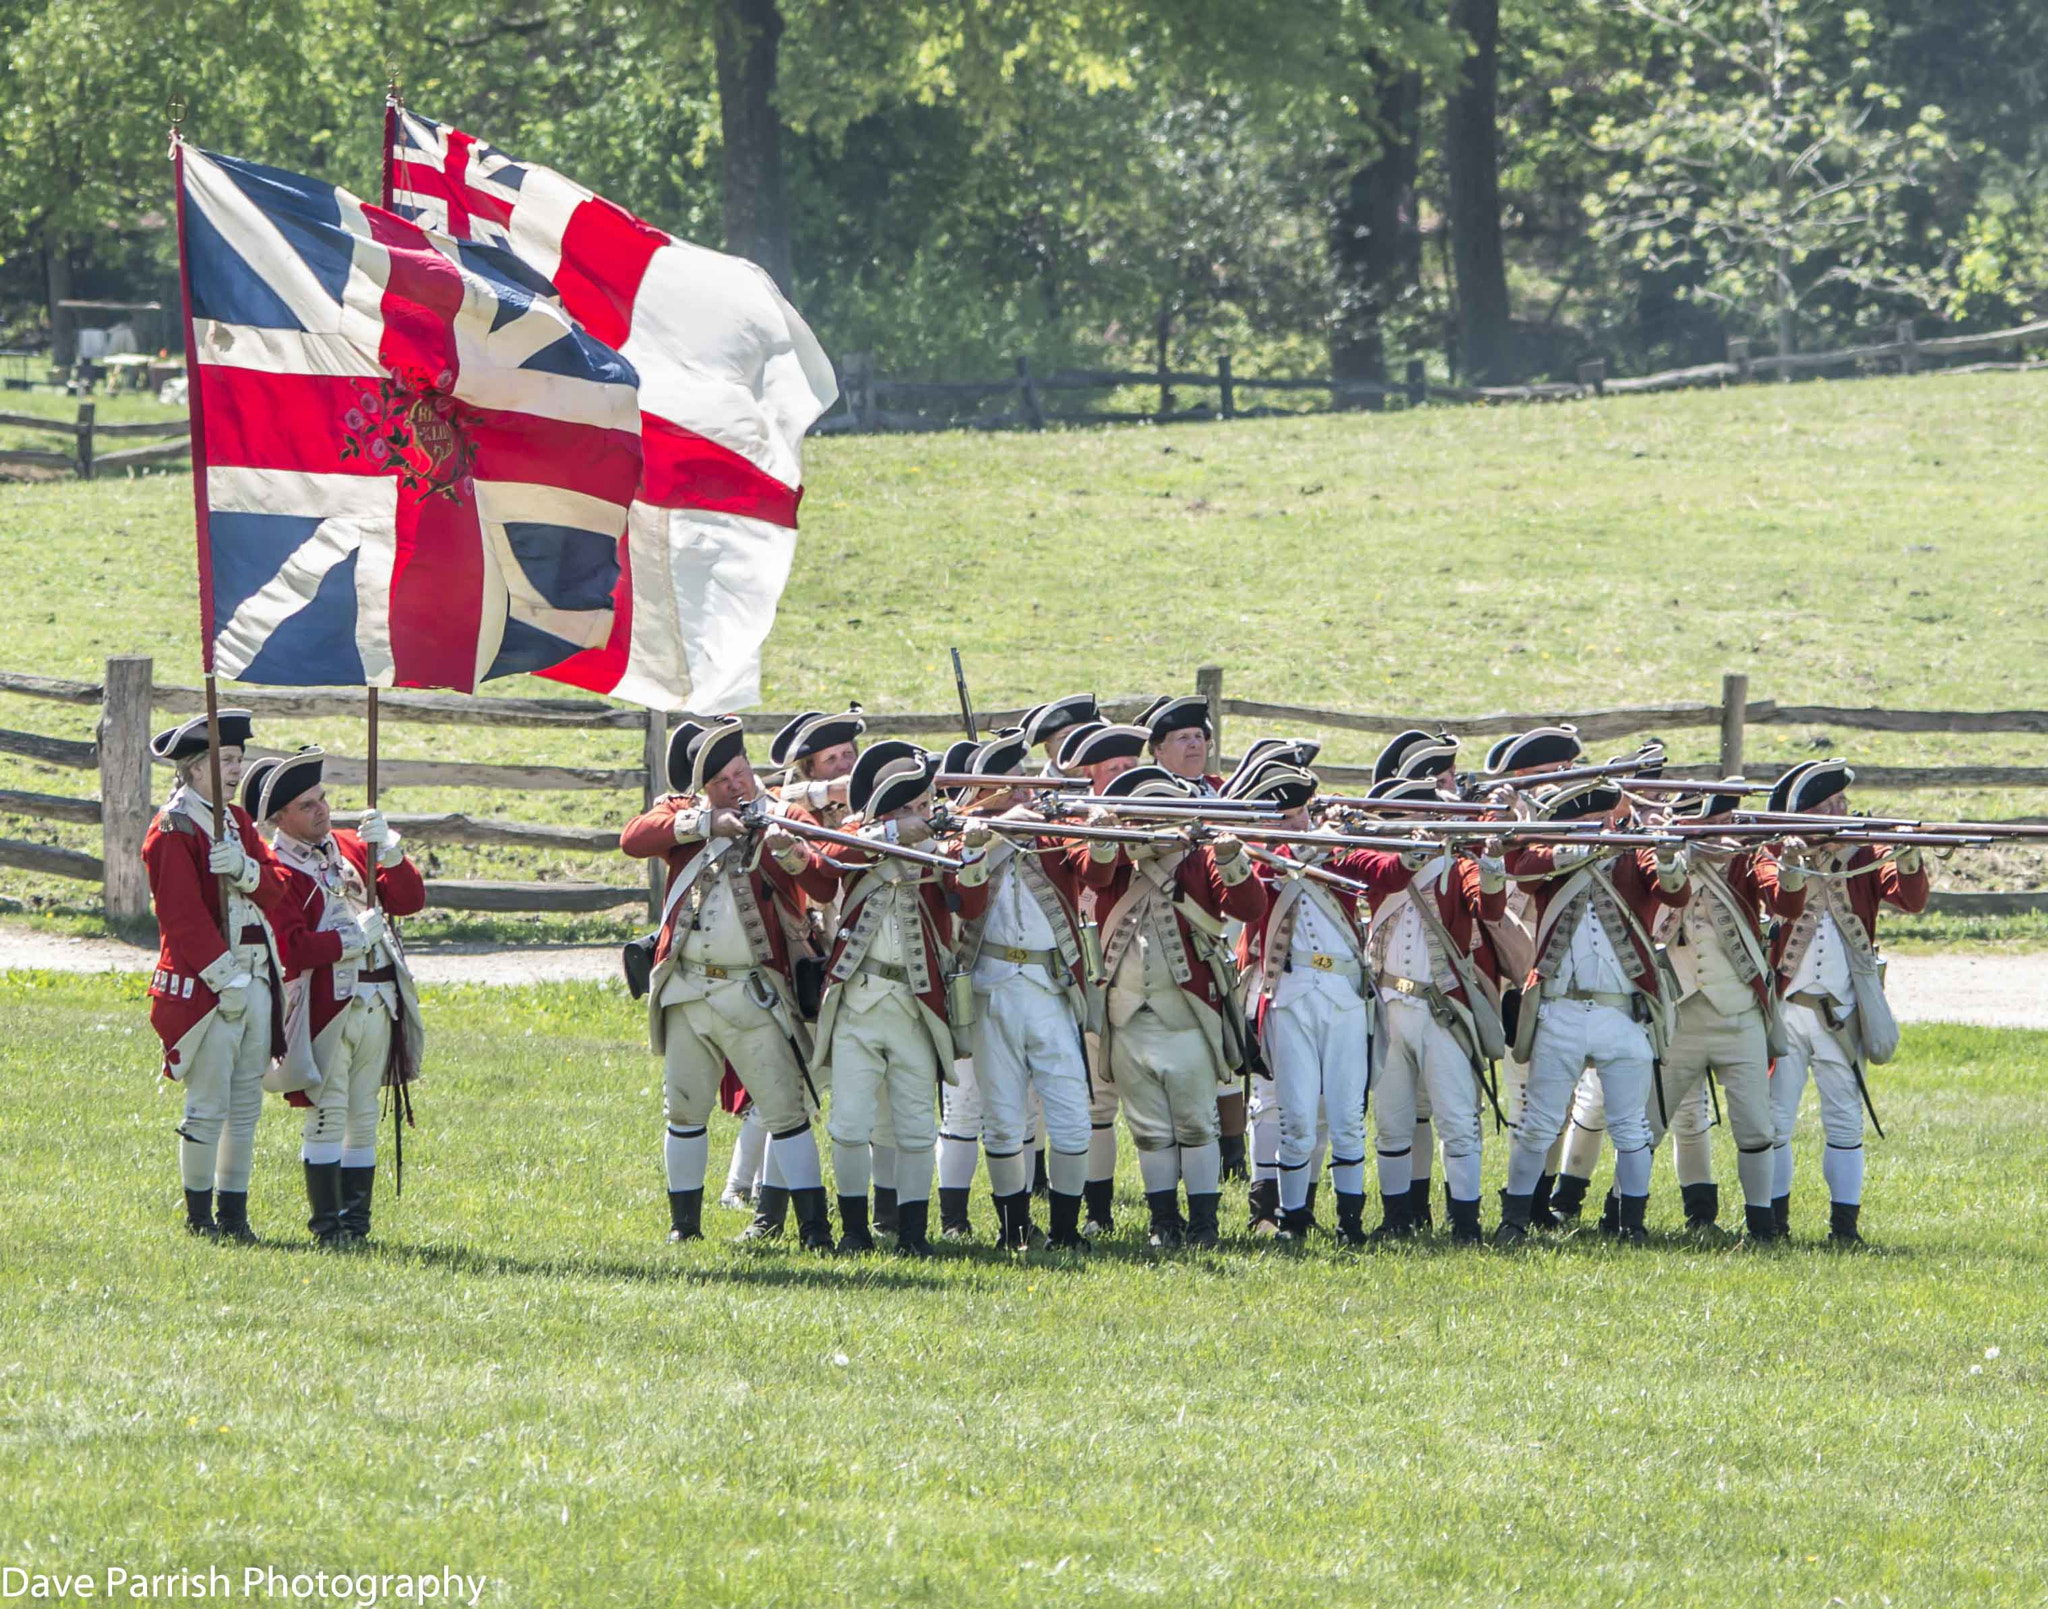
392	102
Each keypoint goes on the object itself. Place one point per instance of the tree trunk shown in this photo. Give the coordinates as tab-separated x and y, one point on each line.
748	37
57	270
1472	163
1375	241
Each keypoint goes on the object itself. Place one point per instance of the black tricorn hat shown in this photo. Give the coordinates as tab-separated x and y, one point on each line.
1706	806
1816	785
1549	747
1173	714
812	731
1781	790
1002	755
889	775
678	764
1295	751
1404	788
276	783
184	741
715	748
1278	783
1042	721
1104	743
1148	782
1650	755
959	756
1575	801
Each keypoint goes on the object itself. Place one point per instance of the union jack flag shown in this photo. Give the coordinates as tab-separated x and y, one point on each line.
412	467
730	379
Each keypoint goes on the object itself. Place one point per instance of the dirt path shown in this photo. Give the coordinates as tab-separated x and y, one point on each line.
2001	991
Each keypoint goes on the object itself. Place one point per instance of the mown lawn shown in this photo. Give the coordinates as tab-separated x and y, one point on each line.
523	1380
1853	544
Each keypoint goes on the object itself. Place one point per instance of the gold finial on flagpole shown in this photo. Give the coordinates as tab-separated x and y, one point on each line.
176	113
394	85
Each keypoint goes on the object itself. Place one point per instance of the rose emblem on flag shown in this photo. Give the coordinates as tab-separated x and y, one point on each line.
412	427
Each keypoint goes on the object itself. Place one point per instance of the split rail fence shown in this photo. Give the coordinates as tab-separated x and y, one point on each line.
129	695
85	457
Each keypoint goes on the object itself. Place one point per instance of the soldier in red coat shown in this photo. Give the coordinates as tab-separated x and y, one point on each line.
721	994
1831	978
1165	1037
350	994
215	998
1597	997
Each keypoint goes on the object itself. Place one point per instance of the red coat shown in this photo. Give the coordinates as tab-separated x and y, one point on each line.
401	891
1885	886
1633	876
188	919
1198	879
939	900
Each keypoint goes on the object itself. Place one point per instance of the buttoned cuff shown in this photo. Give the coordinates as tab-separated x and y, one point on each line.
1672	873
1101	851
1791	876
1234	871
975	872
216	973
689	826
793	859
249	876
392	853
1493	874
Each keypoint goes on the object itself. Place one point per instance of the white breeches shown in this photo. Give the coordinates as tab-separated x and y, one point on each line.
342	1126
1570	1036
224	1095
1817	1051
1166	1080
1026	1041
1317	1042
727	1026
881	1053
1423	1062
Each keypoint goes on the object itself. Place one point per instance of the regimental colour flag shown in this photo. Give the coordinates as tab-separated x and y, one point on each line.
412	467
730	379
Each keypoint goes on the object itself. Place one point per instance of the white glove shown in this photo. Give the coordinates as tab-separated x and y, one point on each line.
393	851
1673	867
373	829
372	927
976	838
227	859
234	999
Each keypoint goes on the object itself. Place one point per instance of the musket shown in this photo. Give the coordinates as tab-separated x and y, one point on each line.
1737	788
758	819
1446	806
1796	824
966	708
980	779
1177	809
1298	868
950	822
1576	773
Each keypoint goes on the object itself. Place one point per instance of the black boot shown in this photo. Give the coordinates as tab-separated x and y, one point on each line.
1351	1218
357	1186
813	1218
685	1215
885	1211
1610	1214
853	1226
1100	1197
1263	1205
1464	1221
1568	1197
1541	1215
1232	1148
1309	1205
911	1218
1420	1219
770	1209
1041	1181
1513	1228
231	1213
1702	1205
199	1213
954	1223
1295	1224
1841	1225
1629	1214
1168	1232
323	1196
1013	1221
1202	1231
1761	1223
1066	1224
1394	1223
1781	1210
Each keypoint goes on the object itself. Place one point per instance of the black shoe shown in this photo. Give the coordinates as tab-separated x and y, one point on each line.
1066	1224
1394	1223
1201	1231
1041	1180
1099	1195
1841	1225
685	1215
813	1218
1232	1150
1263	1201
769	1212
954	1223
911	1217
1541	1214
853	1226
1568	1197
1610	1214
1351	1218
1168	1232
231	1213
1702	1205
1464	1217
358	1185
1513	1228
1629	1214
885	1211
1761	1223
1420	1219
1781	1210
1295	1225
199	1214
323	1196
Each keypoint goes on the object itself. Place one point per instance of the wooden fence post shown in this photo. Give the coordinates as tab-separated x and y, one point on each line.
1225	385
1027	392
1909	360
1418	383
653	787
1738	357
1734	711
1593	374
85	414
124	787
1209	683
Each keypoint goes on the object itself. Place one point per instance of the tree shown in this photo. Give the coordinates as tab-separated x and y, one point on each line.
1472	171
748	34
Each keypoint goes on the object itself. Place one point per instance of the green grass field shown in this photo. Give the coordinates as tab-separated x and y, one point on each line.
1859	543
521	1380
